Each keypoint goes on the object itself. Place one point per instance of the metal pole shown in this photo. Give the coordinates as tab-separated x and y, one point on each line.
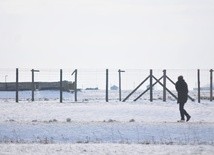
17	85
211	85
106	85
32	88
199	93
164	85
151	91
75	85
60	85
120	83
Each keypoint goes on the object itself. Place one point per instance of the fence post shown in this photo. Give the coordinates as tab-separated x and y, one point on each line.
17	85
32	86
151	87
164	85
60	85
75	84
211	85
199	88
120	83
106	85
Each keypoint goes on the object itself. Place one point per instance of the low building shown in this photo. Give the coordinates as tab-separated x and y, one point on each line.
205	87
11	86
114	87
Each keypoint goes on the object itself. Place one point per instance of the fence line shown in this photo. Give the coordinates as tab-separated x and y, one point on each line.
71	86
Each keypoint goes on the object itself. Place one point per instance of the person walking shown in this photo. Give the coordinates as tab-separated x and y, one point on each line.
182	89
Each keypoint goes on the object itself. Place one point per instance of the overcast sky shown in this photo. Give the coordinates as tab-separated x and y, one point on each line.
139	34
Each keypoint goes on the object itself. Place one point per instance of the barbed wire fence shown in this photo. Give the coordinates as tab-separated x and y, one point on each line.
102	85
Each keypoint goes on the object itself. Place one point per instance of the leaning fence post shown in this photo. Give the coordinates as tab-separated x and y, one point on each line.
106	85
151	87
211	85
164	85
17	85
60	85
199	93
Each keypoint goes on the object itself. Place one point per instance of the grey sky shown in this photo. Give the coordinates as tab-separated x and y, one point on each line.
107	34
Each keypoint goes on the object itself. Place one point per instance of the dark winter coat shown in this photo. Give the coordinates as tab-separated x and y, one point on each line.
182	89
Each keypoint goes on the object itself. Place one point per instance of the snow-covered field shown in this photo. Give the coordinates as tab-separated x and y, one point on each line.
141	127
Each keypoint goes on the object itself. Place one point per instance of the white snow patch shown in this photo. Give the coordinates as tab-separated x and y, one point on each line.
105	128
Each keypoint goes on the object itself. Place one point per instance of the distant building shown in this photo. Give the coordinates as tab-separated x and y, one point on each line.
96	88
205	87
114	87
11	86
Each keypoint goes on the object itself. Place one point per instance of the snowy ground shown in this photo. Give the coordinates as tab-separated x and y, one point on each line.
105	149
105	128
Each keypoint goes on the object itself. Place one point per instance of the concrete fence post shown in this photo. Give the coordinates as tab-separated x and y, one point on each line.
164	85
107	85
60	85
211	85
151	86
17	85
199	87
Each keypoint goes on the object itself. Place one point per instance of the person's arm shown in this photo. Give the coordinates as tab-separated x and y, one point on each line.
176	86
187	87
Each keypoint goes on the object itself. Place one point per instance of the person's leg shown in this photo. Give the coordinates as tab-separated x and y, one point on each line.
181	108
186	114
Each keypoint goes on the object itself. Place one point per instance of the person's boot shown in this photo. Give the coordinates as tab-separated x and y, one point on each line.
188	117
182	120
